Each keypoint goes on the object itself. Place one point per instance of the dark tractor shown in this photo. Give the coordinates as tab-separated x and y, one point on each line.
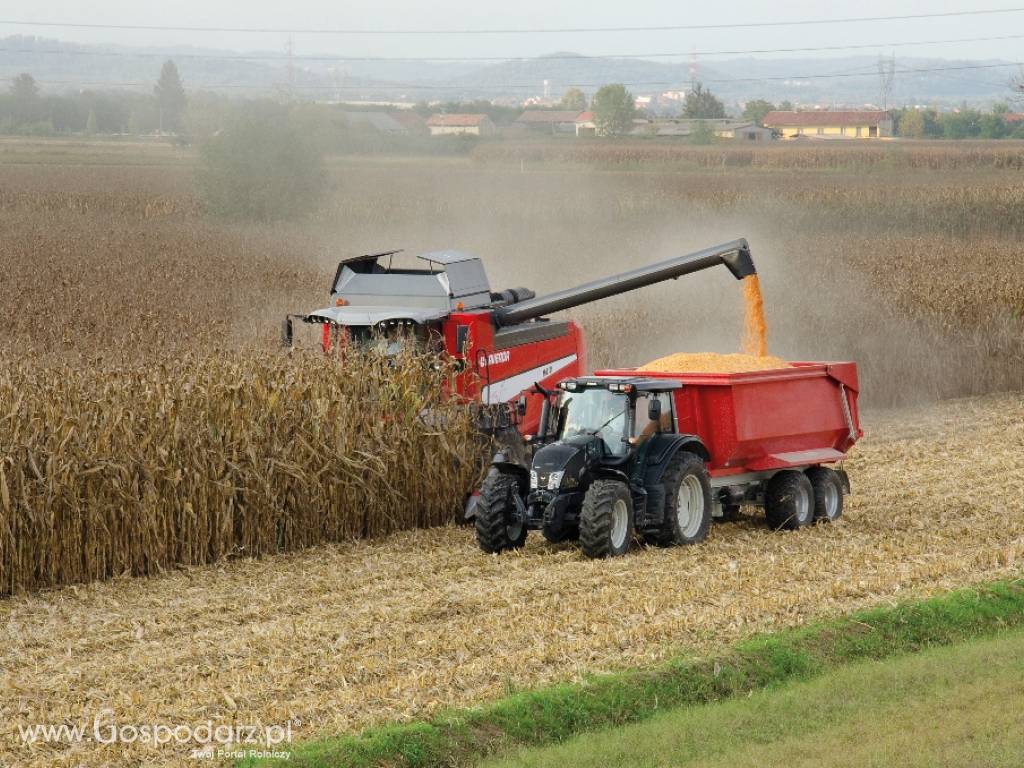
607	463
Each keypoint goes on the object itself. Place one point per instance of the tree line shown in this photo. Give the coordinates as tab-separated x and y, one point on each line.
25	110
166	110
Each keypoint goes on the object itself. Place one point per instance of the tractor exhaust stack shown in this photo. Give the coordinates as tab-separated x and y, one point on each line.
734	255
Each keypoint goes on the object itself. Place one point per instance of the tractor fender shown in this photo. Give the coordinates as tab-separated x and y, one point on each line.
662	452
610	473
508	465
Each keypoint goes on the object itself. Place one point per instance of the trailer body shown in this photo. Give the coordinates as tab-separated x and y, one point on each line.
761	421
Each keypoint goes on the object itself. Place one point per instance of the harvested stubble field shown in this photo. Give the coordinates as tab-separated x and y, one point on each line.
114	274
344	635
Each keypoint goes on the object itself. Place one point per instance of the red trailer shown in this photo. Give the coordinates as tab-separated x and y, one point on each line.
661	454
766	420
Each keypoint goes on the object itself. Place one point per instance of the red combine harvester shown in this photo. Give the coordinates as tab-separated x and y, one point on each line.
502	341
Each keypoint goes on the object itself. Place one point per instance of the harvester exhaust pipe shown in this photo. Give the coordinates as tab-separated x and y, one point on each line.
735	255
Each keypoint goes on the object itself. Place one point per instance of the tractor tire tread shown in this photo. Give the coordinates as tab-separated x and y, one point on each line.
682	464
596	517
493	511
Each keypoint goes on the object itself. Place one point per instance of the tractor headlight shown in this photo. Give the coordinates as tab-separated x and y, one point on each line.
555	480
533	478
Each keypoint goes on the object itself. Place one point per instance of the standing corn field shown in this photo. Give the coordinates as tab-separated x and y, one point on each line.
134	470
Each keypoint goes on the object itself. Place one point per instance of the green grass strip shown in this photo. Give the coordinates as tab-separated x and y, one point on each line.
555	713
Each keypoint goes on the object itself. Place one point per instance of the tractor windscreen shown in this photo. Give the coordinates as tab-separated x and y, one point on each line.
596	411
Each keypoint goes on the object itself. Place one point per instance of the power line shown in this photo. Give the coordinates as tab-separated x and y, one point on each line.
556	57
510	31
666	83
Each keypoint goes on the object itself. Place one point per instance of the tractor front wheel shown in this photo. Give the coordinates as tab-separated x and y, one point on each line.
498	525
606	520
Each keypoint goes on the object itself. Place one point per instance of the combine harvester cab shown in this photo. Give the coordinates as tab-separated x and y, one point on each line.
661	454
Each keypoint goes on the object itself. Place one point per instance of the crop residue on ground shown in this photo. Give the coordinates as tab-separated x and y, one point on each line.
341	636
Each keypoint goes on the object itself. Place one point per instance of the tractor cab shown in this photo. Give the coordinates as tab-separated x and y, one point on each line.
607	446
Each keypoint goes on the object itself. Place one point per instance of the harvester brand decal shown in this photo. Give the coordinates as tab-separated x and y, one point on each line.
506	389
496	358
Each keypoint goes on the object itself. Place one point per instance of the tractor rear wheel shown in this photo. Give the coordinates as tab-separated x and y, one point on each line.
497	527
828	493
606	520
687	502
789	500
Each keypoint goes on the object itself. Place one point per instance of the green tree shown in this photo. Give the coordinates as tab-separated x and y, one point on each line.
614	108
702	104
911	124
992	126
964	124
702	134
1000	108
932	124
786	106
25	99
90	123
574	99
170	96
757	109
260	167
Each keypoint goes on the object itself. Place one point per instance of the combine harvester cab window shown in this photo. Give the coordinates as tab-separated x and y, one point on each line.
393	338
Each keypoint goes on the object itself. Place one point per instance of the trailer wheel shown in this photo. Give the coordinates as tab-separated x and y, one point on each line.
789	501
687	502
606	520
496	526
828	493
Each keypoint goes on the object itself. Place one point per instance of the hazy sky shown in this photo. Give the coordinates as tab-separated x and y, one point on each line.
461	14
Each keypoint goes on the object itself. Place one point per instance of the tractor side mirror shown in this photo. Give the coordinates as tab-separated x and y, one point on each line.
521	405
654	410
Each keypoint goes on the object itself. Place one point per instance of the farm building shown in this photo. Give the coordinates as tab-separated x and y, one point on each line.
585	125
382	122
740	130
460	125
548	120
870	124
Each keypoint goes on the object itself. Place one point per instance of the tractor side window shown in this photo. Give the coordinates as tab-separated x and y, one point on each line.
645	428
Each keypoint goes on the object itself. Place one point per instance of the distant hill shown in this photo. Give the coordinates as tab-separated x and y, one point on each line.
850	80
